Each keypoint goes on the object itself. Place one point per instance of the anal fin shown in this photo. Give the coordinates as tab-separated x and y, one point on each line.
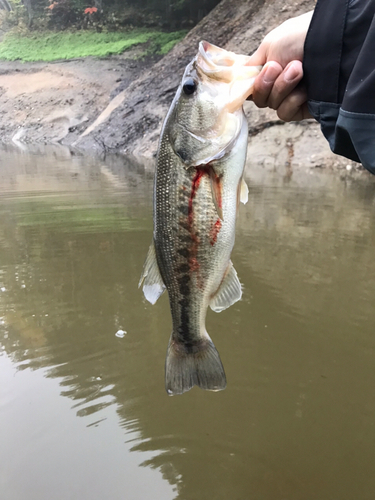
229	292
153	285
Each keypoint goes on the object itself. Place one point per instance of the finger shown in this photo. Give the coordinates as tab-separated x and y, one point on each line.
285	84
259	57
264	82
294	106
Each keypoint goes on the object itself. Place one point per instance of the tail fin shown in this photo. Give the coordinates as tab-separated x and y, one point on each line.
197	365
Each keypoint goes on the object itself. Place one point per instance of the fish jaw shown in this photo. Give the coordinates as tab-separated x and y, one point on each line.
217	64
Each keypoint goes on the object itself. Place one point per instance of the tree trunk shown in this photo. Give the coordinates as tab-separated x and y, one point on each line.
30	12
5	5
168	10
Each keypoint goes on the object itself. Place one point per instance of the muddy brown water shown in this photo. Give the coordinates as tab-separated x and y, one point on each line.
83	411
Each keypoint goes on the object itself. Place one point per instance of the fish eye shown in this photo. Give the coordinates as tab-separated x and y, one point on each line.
189	87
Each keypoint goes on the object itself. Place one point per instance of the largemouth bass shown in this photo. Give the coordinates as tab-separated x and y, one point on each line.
197	188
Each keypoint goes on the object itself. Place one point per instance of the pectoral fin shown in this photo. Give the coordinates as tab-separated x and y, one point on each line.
216	189
244	193
153	285
229	291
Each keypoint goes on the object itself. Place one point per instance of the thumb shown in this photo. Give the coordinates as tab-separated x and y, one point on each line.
259	57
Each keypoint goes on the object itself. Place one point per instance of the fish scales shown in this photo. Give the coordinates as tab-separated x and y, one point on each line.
198	177
184	219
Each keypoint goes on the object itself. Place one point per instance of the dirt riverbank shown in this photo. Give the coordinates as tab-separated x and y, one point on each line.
117	104
56	102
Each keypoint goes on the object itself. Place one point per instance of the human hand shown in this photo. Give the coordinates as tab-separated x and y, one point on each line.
278	84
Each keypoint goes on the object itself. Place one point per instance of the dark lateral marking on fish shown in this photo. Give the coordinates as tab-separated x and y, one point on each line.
215	231
184	209
183	193
185	225
192	265
183	268
184	252
183	282
185	238
184	330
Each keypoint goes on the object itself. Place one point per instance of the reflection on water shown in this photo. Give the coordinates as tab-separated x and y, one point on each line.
297	418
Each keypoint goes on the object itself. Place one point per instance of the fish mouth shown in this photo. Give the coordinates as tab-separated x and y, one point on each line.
224	65
215	63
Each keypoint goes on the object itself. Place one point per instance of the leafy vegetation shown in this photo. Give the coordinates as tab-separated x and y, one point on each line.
110	14
50	46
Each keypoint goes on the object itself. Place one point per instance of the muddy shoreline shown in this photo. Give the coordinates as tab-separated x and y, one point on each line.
54	103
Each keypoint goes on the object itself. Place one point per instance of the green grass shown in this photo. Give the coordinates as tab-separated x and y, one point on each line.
51	46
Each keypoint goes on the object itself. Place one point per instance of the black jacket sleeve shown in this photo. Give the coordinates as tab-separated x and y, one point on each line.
339	69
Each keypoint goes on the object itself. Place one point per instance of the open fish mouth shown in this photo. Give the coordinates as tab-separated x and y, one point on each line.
216	64
221	64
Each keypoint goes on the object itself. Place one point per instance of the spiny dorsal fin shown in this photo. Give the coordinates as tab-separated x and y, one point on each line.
153	285
229	291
